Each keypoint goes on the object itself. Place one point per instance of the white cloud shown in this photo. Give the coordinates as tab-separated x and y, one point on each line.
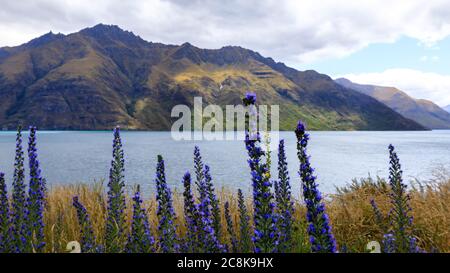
292	31
427	58
418	84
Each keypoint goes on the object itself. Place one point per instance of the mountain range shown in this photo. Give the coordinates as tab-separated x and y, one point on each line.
104	76
447	108
424	112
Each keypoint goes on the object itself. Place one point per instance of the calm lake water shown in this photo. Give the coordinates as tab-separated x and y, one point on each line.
70	157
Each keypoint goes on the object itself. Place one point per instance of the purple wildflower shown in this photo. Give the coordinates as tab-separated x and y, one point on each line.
198	166
87	233
191	216
319	229
200	236
245	243
35	202
413	247
378	215
206	189
285	205
230	228
388	243
167	230
140	240
213	202
18	208
265	234
207	237
115	222
249	99
401	222
4	216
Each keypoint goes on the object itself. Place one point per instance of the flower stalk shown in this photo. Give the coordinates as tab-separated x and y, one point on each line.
319	228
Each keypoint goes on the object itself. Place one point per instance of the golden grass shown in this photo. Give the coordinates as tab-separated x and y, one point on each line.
349	209
354	222
194	75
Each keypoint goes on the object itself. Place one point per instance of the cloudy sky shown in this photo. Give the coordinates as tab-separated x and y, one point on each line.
402	43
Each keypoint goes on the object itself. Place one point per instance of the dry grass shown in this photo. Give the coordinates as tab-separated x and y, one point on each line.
350	212
354	223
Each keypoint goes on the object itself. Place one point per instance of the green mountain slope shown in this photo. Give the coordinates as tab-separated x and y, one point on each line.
423	112
104	76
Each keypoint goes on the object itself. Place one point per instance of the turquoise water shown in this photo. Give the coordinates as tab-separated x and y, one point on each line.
74	156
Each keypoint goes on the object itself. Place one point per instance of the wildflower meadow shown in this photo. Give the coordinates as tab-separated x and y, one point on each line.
202	219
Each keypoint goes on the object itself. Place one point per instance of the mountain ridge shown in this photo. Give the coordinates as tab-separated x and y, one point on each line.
446	108
103	76
422	111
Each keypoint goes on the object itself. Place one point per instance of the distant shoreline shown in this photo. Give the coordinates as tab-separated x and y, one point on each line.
143	130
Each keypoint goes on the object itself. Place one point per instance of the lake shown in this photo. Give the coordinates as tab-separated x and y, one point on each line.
82	156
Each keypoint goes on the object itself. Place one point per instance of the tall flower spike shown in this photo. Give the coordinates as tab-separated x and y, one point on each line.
400	220
276	192
213	201
230	228
245	243
87	233
265	235
18	206
250	101
198	166
206	187
191	217
200	235
285	205
35	201
167	230
207	236
18	210
379	218
319	229
115	222
4	217
140	240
